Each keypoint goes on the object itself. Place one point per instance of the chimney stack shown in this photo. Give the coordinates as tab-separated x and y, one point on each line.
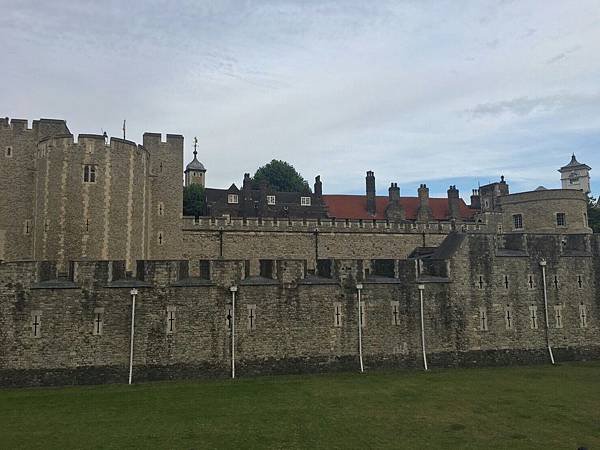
371	204
453	203
475	199
318	186
424	213
394	193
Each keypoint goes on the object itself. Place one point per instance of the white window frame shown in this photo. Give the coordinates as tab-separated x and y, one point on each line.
233	199
518	216
271	199
89	173
305	201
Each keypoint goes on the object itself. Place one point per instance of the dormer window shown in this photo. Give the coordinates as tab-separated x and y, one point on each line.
89	174
232	199
304	201
270	199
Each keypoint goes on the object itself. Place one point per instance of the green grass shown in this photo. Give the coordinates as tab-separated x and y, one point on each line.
524	407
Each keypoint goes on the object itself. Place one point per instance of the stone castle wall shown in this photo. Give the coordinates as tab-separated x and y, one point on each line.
298	322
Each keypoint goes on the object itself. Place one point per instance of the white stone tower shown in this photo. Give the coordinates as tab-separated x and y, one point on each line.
195	173
575	176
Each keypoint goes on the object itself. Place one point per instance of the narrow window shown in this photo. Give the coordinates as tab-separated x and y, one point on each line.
480	282
486	203
555	282
582	315
161	167
363	315
228	317
270	199
304	201
9	152
46	226
585	220
499	228
232	199
579	281
251	317
160	238
87	224
530	282
508	317
533	321
171	319
558	316
505	281
161	209
337	314
98	324
395	313
517	221
36	324
204	272
89	173
27	227
561	220
483	319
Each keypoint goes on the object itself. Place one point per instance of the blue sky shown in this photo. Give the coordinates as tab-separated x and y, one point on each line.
435	92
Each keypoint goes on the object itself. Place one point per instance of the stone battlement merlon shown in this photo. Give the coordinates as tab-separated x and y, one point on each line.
325	225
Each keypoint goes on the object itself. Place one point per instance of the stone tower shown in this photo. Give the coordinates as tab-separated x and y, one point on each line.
575	176
195	173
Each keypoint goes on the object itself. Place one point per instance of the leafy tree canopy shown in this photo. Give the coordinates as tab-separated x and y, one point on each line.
193	200
281	176
593	214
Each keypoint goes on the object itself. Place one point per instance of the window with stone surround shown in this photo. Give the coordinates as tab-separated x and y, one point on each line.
36	324
8	152
337	314
483	319
508	317
558	316
161	209
27	227
304	201
270	199
98	324
555	282
505	282
266	268
579	281
160	238
517	221
533	319
530	281
251	317
480	283
582	315
171	319
232	199
204	269
89	173
561	219
395	305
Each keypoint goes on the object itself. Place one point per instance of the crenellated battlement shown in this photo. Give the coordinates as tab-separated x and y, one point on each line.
326	225
97	141
156	139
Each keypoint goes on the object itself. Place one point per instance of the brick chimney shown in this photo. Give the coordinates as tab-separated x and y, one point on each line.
394	210
424	213
453	203
371	206
318	186
394	193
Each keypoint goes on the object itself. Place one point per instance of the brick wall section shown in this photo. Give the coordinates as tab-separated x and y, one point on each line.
294	328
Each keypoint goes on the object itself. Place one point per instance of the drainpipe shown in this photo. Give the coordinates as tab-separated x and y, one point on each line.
359	287
543	265
421	287
233	290
134	293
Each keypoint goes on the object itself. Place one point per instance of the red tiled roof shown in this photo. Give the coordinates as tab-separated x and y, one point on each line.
355	207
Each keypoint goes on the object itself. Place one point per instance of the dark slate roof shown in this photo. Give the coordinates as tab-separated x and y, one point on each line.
258	281
449	246
195	165
574	163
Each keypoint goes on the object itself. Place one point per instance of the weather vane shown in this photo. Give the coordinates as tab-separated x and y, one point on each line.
195	145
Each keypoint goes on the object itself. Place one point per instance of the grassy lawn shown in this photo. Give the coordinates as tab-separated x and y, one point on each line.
524	407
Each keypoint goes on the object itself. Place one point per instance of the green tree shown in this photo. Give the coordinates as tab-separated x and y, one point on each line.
281	176
593	214
193	200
